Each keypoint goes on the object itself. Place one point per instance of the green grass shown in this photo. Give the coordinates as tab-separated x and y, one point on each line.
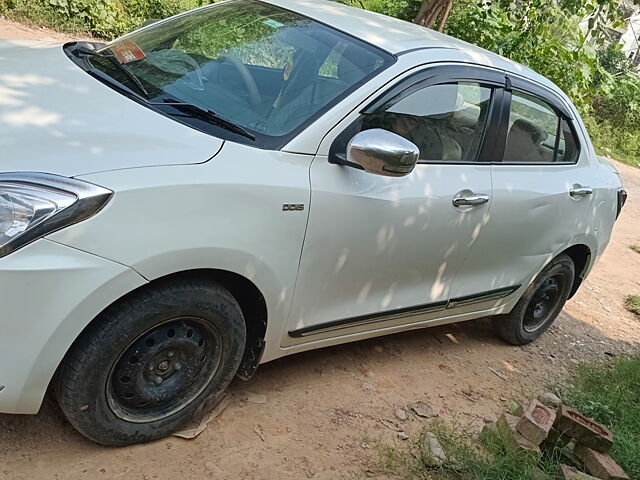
491	458
633	304
635	248
620	143
609	392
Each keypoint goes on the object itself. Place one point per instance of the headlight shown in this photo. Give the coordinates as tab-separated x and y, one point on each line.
35	204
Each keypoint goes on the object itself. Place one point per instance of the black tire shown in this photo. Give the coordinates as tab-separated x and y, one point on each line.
540	304
148	364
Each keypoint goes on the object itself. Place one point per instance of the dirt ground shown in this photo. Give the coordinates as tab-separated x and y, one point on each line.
323	410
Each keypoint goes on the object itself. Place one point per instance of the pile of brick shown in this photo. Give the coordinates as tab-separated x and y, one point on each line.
547	423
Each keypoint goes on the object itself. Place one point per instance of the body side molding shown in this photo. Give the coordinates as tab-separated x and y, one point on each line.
403	312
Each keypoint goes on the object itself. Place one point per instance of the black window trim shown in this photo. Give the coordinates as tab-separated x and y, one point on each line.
454	72
545	95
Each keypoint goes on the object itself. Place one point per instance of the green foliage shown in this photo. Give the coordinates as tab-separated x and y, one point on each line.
403	9
545	36
101	18
621	143
537	33
633	304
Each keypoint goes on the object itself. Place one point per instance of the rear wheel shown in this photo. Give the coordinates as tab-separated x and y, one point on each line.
540	304
151	361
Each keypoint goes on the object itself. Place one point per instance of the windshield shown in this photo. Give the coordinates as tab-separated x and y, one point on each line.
266	69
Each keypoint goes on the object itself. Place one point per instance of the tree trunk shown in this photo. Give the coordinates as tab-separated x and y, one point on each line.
432	10
445	16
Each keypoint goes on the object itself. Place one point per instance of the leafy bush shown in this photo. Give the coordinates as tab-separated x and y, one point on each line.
544	35
538	34
403	9
101	18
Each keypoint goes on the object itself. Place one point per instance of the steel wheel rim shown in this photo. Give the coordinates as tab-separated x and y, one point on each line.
543	303
164	369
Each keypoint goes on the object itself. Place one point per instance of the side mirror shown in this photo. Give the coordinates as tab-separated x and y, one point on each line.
382	152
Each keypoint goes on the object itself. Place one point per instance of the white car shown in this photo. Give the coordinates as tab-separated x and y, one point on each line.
253	179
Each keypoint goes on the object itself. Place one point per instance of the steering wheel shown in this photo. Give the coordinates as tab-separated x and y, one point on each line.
252	88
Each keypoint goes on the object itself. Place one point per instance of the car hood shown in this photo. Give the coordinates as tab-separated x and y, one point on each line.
56	118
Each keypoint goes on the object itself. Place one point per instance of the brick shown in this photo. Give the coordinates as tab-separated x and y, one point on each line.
600	465
506	426
536	422
584	429
571	473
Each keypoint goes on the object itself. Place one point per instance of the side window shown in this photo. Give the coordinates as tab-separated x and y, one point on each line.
567	147
537	133
445	121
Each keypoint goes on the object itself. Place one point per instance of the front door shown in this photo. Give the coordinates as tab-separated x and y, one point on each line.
382	251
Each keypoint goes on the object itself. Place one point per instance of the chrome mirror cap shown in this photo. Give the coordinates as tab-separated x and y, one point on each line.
382	152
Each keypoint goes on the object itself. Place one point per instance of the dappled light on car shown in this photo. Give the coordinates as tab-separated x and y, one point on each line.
30	116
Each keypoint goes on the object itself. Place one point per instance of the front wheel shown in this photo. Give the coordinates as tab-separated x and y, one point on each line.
540	304
146	366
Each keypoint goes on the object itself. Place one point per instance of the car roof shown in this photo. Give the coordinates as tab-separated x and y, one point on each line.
398	36
391	34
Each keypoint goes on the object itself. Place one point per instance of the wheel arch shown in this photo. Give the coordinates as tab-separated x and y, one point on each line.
581	256
252	303
249	297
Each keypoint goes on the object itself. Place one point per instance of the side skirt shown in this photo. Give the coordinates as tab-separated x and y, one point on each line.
402	312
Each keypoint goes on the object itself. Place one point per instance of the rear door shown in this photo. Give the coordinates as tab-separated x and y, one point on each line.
542	195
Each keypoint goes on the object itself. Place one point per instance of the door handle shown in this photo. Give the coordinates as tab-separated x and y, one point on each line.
580	191
469	199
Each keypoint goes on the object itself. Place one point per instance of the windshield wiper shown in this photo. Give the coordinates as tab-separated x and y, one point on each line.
113	59
207	115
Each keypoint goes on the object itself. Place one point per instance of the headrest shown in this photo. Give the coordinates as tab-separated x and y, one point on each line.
537	134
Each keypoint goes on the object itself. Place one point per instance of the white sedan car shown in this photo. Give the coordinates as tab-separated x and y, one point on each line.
253	179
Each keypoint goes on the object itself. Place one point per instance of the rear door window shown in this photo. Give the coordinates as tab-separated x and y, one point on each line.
537	133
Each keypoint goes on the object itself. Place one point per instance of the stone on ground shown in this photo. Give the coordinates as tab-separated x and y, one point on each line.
422	409
571	473
400	413
550	400
433	453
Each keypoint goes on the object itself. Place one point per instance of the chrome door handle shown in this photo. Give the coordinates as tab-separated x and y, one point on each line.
580	191
471	199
